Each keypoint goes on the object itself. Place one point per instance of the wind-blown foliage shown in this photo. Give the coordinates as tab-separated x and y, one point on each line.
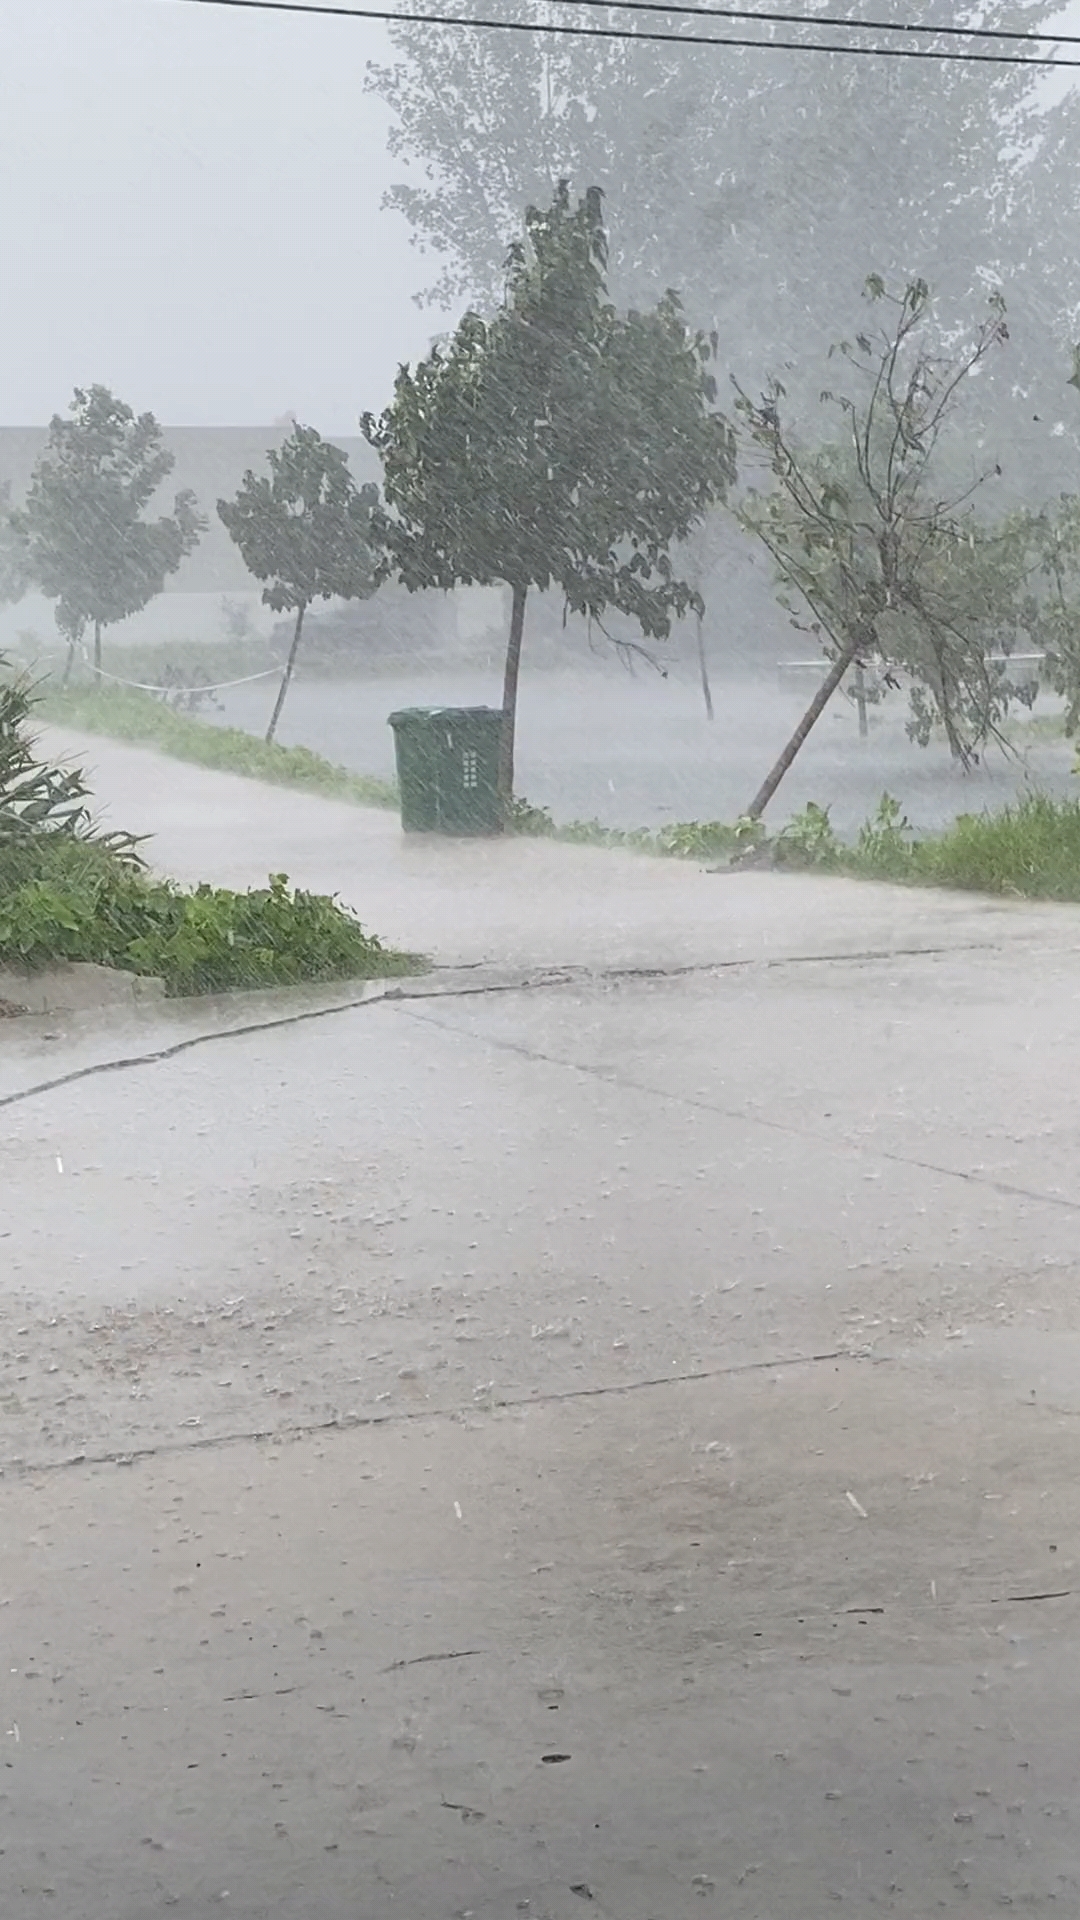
877	546
36	797
558	443
14	554
71	893
306	531
760	180
88	545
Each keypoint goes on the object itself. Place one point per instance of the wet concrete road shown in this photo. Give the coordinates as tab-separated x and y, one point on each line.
604	1446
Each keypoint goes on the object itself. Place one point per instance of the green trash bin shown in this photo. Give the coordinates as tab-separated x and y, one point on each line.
448	769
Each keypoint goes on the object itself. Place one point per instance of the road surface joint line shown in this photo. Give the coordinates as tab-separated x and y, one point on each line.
213	1443
742	1118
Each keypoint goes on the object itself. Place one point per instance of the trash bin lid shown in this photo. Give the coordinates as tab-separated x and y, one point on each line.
404	716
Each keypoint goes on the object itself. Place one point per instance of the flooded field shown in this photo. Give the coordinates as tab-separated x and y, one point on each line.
635	750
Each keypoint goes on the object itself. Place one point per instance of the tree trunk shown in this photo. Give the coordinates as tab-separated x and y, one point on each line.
860	700
68	663
97	648
288	673
813	713
509	705
705	687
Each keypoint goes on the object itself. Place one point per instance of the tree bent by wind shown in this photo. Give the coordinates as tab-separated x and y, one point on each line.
879	552
305	530
557	444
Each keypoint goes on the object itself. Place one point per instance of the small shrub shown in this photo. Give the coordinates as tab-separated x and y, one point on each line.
699	840
531	822
64	860
204	940
39	801
808	840
886	842
683	840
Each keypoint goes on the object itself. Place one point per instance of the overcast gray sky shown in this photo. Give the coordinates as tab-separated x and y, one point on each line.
189	212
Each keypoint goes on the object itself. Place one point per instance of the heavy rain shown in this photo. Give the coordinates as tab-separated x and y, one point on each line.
539	904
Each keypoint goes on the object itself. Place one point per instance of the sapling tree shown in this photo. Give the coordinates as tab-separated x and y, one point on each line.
305	529
87	543
878	548
14	553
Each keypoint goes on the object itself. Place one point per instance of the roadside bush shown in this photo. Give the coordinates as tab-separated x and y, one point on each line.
886	844
36	798
808	840
530	822
683	840
71	893
201	940
699	840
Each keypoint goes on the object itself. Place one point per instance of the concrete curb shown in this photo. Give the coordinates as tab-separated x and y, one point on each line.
76	987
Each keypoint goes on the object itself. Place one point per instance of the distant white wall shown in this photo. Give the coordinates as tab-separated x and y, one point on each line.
198	618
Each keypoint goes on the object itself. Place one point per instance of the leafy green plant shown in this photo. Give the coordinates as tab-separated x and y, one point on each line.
558	444
1031	849
698	840
66	860
593	833
533	822
682	840
201	940
69	893
886	842
305	531
808	840
213	939
87	543
36	799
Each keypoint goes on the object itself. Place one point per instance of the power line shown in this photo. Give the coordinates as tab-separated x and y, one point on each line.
832	20
340	12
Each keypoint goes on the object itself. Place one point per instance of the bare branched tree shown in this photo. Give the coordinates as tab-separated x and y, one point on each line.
878	550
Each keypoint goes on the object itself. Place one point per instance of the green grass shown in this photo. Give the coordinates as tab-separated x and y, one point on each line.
148	722
684	840
1031	849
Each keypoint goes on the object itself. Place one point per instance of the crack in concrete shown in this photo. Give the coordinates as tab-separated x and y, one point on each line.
350	1423
529	979
125	1061
429	987
608	1077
